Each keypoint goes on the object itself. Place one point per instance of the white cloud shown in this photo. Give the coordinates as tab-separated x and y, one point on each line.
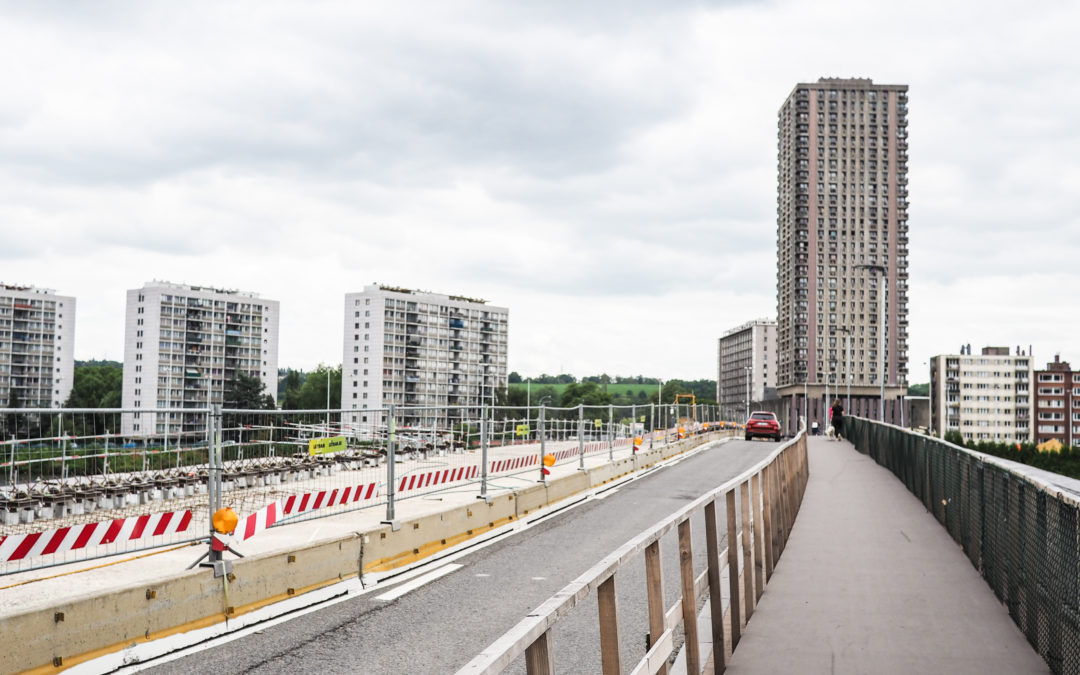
606	171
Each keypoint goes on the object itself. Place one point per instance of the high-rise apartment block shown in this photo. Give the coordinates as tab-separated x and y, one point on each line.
842	245
984	397
416	349
37	347
1057	403
183	345
746	366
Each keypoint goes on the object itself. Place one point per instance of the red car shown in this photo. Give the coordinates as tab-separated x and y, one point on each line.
763	424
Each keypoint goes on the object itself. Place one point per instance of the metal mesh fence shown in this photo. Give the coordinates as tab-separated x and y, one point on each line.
1018	531
79	484
74	485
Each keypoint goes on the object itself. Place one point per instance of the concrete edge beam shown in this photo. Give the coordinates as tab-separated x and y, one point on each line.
69	633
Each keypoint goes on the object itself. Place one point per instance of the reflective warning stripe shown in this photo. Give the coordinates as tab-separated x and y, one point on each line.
63	539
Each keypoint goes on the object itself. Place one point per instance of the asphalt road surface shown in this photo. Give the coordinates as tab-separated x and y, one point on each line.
441	626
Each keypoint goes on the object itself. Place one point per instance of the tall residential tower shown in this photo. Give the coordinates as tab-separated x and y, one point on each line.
419	349
37	347
842	255
183	345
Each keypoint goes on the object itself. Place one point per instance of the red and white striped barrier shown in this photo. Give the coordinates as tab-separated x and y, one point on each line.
569	452
310	501
293	505
258	521
249	526
119	531
514	463
416	481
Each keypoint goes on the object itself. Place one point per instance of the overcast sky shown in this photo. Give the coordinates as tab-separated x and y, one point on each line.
606	170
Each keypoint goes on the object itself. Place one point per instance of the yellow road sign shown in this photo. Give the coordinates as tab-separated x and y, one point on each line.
322	446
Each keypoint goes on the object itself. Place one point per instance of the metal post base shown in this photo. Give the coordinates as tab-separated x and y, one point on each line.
486	498
395	525
216	561
220	567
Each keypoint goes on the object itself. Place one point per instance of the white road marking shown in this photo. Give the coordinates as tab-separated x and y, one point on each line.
483	575
539	578
418	582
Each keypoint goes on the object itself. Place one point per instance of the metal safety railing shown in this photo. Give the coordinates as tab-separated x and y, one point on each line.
758	509
1018	527
85	483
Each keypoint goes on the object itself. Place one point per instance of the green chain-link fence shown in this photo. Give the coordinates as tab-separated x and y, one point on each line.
1020	533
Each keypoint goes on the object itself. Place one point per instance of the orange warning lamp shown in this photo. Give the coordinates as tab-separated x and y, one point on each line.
225	520
549	460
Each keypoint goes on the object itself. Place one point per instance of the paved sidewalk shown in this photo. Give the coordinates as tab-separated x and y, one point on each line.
871	583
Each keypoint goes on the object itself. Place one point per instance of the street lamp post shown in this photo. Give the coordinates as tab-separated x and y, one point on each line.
805	405
881	342
847	373
747	369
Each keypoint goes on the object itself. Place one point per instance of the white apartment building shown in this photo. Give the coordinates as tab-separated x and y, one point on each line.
183	344
417	349
746	365
37	347
984	397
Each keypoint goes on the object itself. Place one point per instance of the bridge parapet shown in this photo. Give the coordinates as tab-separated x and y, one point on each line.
759	507
1019	527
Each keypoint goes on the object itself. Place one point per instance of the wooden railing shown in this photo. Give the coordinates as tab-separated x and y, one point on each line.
769	493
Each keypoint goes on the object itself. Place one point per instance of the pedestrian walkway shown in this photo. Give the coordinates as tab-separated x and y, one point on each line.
871	583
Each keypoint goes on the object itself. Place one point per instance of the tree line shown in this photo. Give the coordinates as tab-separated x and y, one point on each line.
566	378
590	391
99	384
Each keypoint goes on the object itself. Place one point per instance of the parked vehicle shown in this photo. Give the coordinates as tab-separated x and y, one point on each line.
763	425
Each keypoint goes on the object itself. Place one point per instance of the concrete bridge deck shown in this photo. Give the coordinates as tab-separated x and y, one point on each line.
871	583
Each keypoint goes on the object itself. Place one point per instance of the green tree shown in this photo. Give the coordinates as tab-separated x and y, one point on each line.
671	389
312	394
245	392
96	386
511	396
289	389
919	389
547	394
588	393
513	378
10	424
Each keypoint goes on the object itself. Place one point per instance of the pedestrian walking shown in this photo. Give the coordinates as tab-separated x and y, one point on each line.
837	419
